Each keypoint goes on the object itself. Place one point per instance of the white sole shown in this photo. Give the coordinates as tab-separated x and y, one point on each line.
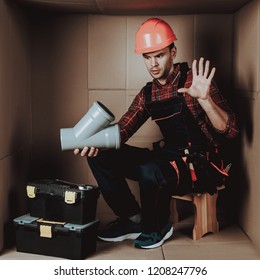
167	236
131	236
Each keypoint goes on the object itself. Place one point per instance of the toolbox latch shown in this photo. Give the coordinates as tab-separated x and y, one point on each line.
45	231
70	197
31	192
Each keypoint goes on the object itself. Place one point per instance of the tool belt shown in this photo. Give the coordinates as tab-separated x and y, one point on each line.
199	169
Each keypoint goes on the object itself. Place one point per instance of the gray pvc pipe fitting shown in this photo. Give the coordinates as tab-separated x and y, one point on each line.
93	130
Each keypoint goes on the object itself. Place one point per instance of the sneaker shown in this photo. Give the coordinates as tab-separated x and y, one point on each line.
119	230
149	240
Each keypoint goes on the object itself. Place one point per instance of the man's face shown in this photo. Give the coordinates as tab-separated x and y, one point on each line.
160	63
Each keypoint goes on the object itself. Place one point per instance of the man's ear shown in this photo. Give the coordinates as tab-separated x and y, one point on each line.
173	52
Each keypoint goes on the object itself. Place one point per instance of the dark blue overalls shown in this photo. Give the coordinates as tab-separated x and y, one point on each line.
162	172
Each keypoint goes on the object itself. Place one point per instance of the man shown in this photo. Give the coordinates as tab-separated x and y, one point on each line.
192	116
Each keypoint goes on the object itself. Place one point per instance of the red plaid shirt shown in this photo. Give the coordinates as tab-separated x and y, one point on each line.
137	114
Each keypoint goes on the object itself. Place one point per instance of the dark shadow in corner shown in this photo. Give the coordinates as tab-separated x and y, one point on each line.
231	200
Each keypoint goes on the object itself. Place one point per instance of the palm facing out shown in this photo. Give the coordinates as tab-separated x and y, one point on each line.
201	80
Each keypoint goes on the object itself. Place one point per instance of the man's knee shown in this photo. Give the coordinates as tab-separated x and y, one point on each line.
149	172
157	173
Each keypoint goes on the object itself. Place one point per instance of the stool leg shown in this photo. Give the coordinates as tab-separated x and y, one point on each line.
175	214
205	216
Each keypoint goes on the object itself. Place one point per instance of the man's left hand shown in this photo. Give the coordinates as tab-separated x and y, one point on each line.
201	80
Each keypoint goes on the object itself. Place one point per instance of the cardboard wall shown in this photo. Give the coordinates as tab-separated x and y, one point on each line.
59	93
15	115
247	88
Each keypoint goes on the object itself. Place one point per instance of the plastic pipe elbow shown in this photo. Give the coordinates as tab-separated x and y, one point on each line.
93	130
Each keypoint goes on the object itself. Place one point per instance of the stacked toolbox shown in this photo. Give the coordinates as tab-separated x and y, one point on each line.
61	222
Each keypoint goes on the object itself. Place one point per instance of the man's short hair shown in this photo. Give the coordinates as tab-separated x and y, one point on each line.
171	46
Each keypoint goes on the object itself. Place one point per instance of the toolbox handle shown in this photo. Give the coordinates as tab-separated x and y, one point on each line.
67	183
81	187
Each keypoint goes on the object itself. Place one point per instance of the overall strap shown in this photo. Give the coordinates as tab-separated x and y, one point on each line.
184	68
148	92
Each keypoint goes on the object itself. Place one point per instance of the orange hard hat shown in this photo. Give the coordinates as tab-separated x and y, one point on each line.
153	35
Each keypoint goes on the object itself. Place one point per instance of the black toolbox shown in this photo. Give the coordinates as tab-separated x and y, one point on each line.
62	201
65	240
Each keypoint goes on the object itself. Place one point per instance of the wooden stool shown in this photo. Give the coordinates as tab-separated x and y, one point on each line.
205	213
